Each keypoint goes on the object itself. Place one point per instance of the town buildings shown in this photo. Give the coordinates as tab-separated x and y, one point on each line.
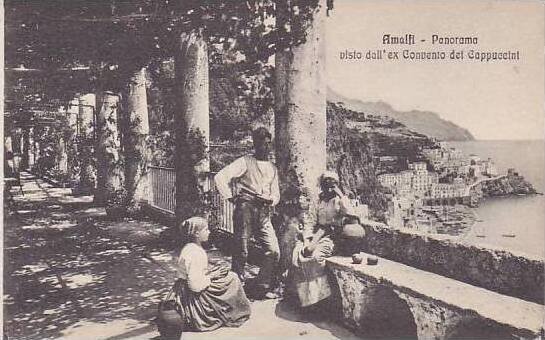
417	180
444	178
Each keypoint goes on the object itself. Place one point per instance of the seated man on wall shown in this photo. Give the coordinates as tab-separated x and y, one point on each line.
308	273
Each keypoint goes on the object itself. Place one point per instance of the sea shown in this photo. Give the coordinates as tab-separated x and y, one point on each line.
522	218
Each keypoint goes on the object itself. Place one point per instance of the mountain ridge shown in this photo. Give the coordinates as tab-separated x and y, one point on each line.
425	122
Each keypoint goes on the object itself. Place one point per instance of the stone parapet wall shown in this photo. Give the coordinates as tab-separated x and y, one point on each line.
393	300
501	271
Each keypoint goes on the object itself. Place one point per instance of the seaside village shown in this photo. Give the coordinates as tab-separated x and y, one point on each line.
134	208
427	196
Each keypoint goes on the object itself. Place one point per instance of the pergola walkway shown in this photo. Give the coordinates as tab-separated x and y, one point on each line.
71	273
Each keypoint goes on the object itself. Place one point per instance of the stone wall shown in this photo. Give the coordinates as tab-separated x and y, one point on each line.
377	310
497	270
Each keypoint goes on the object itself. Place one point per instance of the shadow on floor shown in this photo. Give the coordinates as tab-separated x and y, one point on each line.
71	273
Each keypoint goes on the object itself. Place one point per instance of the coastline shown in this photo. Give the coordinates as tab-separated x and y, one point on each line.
453	220
521	217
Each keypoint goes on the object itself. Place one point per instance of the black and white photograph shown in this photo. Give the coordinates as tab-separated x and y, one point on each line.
273	169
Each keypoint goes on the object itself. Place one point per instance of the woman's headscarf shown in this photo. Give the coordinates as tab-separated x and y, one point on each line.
329	174
327	194
192	226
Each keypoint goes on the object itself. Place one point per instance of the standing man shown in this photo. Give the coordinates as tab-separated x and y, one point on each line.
251	183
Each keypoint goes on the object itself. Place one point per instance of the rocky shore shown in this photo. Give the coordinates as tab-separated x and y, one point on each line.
512	184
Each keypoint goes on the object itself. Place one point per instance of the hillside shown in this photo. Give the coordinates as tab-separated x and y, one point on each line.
351	154
357	145
424	122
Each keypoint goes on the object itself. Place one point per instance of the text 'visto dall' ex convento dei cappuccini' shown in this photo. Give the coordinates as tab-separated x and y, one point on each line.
182	170
410	47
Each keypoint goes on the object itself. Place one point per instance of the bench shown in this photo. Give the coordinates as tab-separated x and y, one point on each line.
395	300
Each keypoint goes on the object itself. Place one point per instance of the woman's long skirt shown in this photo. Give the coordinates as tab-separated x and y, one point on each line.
223	303
309	276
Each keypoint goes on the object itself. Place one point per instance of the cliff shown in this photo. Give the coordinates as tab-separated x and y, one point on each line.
384	136
424	122
351	155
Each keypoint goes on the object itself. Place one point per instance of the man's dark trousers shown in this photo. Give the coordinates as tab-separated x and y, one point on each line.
253	218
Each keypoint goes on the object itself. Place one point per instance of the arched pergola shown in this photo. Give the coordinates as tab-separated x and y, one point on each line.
115	93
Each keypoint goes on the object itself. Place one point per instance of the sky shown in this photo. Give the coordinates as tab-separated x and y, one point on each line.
494	100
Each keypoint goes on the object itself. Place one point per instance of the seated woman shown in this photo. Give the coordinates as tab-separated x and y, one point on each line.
314	246
207	299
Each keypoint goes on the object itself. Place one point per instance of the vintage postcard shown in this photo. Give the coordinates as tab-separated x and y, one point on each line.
266	169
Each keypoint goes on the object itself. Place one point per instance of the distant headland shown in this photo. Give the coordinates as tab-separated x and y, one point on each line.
425	122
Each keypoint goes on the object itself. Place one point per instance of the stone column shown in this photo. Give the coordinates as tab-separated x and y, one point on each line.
62	161
192	124
136	151
37	151
300	119
108	146
17	146
31	148
72	144
8	151
26	149
86	143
